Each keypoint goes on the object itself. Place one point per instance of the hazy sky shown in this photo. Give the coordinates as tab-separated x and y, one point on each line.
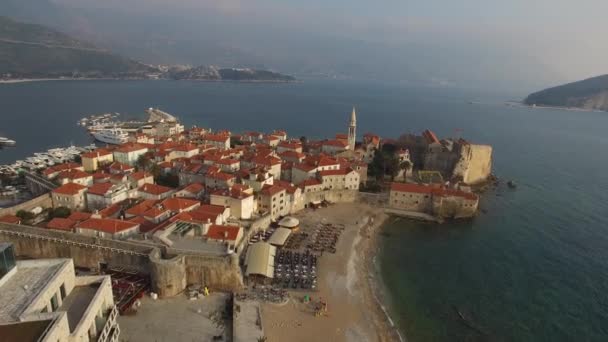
566	36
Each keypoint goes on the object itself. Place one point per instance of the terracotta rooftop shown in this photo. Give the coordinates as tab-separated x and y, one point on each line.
61	167
427	189
339	172
61	224
336	143
178	204
69	189
141	208
100	152
116	166
212	209
100	188
10	219
155	189
79	216
271	190
225	233
106	225
194	188
130	147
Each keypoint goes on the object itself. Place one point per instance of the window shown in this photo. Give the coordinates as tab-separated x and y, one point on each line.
62	290
54	303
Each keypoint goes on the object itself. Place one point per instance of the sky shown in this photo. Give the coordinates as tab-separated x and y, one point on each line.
565	37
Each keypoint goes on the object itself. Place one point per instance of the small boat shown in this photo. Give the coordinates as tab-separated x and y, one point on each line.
511	184
6	142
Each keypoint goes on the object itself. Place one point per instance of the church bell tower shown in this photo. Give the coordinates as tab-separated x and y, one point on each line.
352	130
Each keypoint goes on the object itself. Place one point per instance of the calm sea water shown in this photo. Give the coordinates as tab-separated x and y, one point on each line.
533	267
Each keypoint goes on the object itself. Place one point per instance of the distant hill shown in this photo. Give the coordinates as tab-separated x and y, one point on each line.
35	51
212	73
589	94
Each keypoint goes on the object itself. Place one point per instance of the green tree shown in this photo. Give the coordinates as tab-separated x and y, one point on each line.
60	212
143	163
26	216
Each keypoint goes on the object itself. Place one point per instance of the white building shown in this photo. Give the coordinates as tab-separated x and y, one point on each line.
70	195
43	300
129	153
342	179
101	195
241	204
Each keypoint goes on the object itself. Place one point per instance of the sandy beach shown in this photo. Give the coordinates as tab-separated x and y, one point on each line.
346	283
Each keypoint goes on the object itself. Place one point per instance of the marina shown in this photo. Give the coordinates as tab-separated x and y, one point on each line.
42	160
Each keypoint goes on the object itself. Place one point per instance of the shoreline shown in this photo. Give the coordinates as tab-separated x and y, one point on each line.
28	80
568	109
377	289
348	281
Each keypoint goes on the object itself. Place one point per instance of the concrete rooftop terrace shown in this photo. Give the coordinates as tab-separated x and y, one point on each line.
24	283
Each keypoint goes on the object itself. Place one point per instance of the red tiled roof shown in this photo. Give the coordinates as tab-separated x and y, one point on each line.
73	174
221	175
185	148
271	190
427	189
144	225
430	136
100	175
111	210
227	161
290	144
341	136
10	219
130	147
155	211
215	137
194	188
309	182
120	167
176	204
339	172
226	233
336	143
141	208
211	209
79	216
100	152
99	189
69	189
61	167
106	225
139	175
61	224
155	189
291	154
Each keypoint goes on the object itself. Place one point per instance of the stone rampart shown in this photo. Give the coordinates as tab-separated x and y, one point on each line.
43	201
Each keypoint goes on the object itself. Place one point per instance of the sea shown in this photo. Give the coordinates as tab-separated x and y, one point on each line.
532	266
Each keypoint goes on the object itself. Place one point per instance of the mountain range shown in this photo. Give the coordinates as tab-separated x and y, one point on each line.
161	32
35	51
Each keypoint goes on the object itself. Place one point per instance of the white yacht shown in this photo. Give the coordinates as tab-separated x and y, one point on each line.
114	136
7	142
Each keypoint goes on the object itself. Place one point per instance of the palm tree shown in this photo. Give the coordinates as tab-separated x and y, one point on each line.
262	339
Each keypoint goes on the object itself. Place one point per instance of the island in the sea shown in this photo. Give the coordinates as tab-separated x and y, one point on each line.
588	94
36	52
283	230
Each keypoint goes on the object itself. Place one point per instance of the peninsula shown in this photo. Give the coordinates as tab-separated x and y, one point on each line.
588	94
285	228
